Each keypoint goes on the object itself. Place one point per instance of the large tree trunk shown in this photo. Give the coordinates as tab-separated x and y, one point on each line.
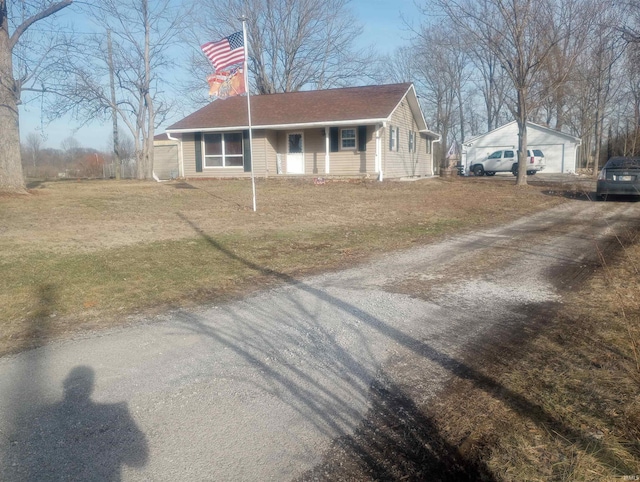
11	178
522	137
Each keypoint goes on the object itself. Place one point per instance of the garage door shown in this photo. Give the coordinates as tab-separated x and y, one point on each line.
554	157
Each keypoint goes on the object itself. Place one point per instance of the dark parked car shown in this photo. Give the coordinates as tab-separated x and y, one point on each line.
620	175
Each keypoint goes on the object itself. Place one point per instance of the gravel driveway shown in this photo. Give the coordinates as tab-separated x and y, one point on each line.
257	389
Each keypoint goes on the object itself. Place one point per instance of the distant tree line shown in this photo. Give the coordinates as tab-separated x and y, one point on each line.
568	64
572	65
72	160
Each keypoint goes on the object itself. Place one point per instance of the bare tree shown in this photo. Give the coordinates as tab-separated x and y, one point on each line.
12	28
70	145
142	31
442	71
292	43
520	35
491	82
606	51
33	146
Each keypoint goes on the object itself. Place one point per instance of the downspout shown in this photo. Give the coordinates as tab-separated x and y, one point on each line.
180	156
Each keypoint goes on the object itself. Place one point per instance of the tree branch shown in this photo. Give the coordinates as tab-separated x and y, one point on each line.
38	16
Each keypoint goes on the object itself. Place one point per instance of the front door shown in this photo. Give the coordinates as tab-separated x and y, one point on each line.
295	153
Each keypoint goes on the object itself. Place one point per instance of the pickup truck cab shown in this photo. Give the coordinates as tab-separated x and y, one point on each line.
506	160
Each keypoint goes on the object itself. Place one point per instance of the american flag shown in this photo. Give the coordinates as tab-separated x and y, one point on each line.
226	52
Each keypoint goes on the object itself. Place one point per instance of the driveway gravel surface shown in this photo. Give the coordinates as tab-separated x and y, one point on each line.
258	389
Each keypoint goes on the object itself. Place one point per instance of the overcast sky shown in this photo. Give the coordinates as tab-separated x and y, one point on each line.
383	27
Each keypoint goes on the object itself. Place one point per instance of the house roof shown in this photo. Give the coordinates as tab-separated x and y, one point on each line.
351	105
529	124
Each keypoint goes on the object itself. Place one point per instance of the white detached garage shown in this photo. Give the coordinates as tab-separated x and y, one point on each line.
560	149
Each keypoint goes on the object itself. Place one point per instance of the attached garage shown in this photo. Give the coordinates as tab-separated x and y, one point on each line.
559	149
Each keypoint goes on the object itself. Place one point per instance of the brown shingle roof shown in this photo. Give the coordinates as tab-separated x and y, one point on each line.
317	106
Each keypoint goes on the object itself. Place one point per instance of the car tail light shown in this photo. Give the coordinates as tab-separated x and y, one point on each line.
603	175
531	159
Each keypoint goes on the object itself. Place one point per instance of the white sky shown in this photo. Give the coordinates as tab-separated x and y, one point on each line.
382	26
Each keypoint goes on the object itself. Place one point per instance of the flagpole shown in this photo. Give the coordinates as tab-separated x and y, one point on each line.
246	84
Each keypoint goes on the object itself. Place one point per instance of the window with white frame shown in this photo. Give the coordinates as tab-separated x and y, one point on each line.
411	141
393	139
347	139
223	150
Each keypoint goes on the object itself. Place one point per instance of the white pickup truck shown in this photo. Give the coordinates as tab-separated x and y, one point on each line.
507	161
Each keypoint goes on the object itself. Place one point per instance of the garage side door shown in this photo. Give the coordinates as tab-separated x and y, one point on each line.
554	157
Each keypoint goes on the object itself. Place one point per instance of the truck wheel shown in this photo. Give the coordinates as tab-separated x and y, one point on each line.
514	169
478	170
531	173
489	173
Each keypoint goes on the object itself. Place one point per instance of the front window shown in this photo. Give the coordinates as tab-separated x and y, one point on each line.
223	150
348	138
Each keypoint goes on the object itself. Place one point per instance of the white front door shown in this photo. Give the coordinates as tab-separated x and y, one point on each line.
295	153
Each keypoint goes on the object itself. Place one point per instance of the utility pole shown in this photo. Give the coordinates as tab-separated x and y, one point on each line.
114	112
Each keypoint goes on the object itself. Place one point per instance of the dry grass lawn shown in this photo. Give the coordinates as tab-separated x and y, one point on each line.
562	401
88	254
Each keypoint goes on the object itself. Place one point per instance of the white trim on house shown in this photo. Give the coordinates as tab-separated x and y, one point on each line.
414	105
327	149
378	159
308	125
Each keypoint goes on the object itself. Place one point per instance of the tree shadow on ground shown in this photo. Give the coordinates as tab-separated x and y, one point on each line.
429	448
396	441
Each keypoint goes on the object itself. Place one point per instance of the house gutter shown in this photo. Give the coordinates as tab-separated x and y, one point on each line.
352	122
180	156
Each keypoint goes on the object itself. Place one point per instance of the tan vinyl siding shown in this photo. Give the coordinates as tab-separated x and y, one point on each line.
262	150
268	144
314	148
269	154
400	162
189	156
352	162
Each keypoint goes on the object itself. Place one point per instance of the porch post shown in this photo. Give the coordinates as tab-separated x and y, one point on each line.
327	148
